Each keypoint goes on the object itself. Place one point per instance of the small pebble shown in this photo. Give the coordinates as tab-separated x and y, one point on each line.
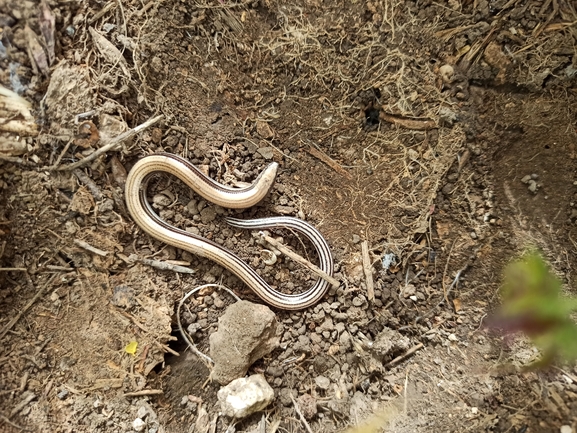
356	239
275	371
473	235
63	394
566	429
138	424
447	73
526	179
218	302
322	382
357	301
161	200
532	186
142	412
409	290
266	152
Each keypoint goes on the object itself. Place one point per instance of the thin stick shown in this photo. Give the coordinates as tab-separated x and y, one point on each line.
329	161
163	266
16	426
416	124
59	159
405	392
143	392
90	248
166	348
368	269
13	269
16	160
59	268
301	416
102	12
299	259
21	405
116	141
445	294
89	183
26	307
405	355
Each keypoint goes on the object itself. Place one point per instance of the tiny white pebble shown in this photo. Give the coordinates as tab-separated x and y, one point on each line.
474	410
142	412
413	298
566	429
567	379
453	337
138	424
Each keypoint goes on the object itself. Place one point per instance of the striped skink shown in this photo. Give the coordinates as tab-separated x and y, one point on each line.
143	214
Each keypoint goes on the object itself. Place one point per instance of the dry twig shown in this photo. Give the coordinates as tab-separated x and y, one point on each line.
163	266
299	259
368	269
143	393
404	355
38	294
22	405
329	161
114	143
17	160
89	183
90	248
301	416
16	426
416	124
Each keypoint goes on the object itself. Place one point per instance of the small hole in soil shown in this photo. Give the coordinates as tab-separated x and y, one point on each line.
372	116
547	146
377	92
176	345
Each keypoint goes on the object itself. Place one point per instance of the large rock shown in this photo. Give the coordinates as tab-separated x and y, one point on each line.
246	332
245	396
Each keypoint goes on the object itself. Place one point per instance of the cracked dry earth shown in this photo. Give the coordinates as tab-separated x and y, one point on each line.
439	134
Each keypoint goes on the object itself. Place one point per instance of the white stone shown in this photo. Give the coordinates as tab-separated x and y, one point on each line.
566	429
245	396
447	73
323	382
142	412
138	424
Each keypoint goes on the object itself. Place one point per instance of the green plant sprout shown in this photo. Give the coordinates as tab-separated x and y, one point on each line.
532	304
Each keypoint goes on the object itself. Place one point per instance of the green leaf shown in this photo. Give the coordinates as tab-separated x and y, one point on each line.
532	303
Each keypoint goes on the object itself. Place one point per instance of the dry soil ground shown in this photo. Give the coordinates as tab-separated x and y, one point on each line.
406	124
